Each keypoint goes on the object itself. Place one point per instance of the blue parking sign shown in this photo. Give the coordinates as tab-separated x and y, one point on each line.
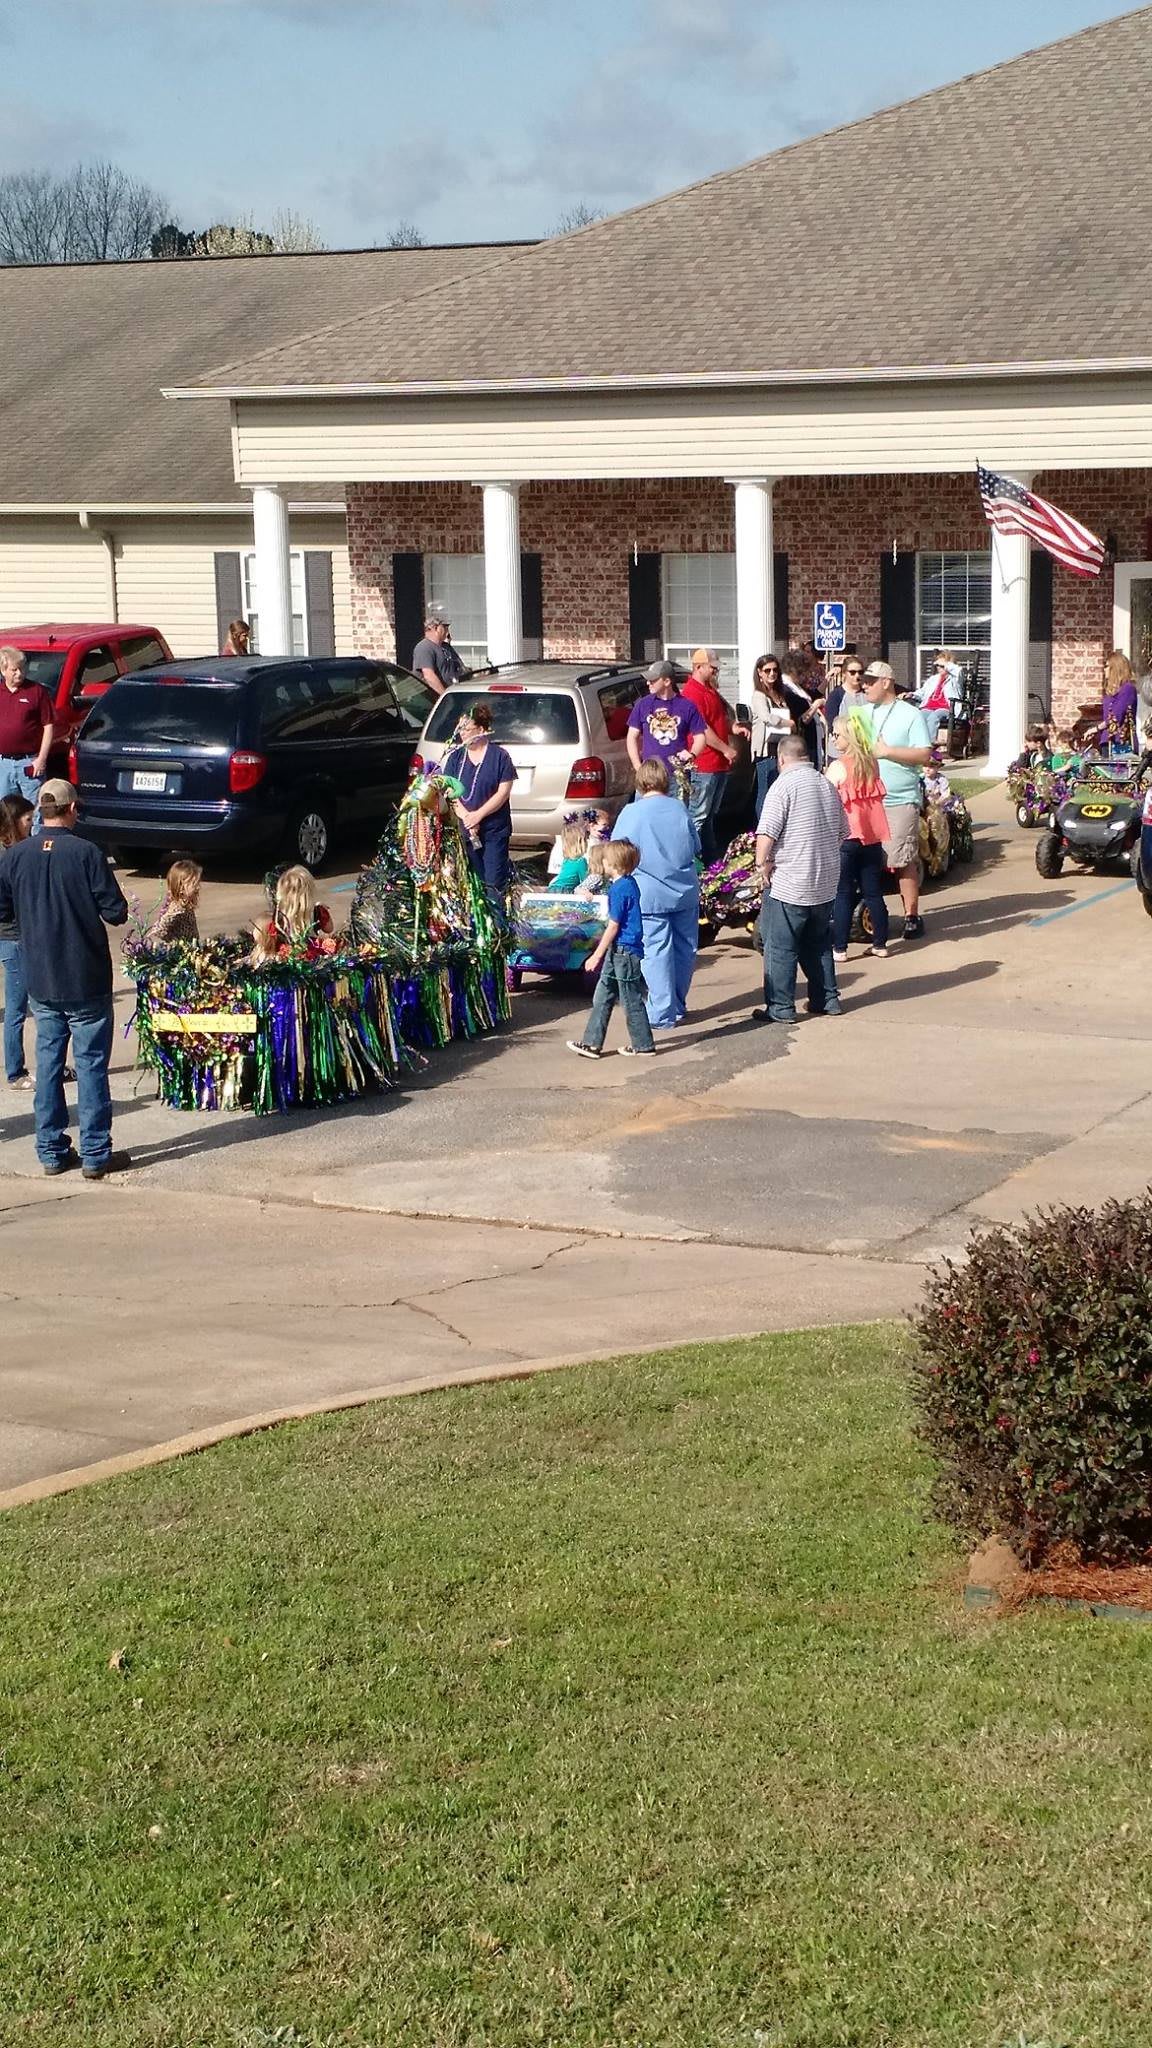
829	626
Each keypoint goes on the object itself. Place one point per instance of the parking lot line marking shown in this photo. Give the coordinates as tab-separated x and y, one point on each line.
1086	904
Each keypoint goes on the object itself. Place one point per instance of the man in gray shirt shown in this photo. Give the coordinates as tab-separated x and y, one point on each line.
435	659
802	827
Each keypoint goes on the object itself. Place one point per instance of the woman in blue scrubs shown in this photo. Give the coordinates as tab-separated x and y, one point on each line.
486	774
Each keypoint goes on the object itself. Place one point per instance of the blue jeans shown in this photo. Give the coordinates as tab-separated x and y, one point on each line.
861	875
621	980
15	1008
705	795
89	1025
767	769
798	936
14	781
669	959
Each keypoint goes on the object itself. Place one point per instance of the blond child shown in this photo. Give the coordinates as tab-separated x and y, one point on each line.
595	882
574	865
619	956
175	921
298	922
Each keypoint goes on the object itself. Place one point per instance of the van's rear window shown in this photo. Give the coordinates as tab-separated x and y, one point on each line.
523	718
165	715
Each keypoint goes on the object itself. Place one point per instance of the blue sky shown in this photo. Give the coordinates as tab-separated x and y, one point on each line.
476	119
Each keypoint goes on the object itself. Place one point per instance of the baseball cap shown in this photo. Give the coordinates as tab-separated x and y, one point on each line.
879	672
660	672
703	654
57	792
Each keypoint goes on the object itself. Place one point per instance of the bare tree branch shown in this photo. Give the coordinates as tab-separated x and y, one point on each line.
405	235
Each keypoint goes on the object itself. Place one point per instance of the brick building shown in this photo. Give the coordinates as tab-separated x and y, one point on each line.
691	421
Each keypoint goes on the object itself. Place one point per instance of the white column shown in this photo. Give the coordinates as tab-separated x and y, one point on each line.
755	620
273	569
502	572
1008	665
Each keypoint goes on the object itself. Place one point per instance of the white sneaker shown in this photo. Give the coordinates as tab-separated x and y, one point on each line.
636	1052
838	956
586	1052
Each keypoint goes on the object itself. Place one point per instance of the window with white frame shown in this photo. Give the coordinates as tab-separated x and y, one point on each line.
953	607
454	585
299	606
699	593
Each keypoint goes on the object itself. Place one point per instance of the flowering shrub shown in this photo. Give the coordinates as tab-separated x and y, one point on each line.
1033	1383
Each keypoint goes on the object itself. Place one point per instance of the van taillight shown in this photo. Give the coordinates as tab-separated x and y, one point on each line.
416	765
73	766
588	778
245	771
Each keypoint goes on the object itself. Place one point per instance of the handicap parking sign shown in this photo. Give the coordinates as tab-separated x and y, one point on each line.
829	626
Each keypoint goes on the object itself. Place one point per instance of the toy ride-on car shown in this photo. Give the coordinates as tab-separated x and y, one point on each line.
1099	824
730	891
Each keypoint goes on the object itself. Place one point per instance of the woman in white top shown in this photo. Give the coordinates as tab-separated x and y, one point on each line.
773	714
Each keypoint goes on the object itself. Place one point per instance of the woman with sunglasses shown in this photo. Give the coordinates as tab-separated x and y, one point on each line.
847	696
773	716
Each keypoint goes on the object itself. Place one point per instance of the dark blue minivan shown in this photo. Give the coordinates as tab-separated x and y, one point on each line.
229	756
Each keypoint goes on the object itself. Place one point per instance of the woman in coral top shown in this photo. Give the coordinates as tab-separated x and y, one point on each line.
857	777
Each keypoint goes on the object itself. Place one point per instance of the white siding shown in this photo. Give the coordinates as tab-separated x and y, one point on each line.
165	578
165	574
52	573
1034	423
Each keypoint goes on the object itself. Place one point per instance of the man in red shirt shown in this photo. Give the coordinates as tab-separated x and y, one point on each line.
711	765
25	728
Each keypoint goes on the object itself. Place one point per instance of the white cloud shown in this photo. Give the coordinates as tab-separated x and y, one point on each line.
37	137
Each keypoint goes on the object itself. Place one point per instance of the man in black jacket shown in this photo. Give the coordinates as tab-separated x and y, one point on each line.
61	893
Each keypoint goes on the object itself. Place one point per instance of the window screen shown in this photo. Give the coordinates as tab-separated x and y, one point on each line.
454	586
700	611
953	605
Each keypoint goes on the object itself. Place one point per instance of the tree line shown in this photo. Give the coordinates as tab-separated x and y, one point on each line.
96	213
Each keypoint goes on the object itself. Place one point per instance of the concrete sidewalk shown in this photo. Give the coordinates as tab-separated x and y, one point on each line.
514	1203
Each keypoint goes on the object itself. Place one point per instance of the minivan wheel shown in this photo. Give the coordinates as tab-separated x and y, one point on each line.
310	836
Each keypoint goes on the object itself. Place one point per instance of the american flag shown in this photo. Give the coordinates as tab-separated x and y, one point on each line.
1012	509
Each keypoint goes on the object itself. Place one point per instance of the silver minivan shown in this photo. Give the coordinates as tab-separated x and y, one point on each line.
564	723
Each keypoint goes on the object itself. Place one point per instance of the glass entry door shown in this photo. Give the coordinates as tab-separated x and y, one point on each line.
1132	613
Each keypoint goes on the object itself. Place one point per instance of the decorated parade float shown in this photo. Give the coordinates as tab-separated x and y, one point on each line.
296	1015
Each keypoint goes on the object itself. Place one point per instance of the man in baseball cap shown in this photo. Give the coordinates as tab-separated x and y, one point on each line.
902	746
60	892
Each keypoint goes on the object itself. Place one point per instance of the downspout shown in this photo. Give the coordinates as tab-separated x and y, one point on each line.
109	540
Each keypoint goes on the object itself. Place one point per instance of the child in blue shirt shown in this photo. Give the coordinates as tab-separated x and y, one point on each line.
621	950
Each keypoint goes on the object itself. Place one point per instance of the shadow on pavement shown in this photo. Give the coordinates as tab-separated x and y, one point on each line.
925	984
962	917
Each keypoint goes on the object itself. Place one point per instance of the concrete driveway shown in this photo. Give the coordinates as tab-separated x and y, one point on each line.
515	1204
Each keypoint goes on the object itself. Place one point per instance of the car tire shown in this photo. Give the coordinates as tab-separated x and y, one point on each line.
308	840
1050	856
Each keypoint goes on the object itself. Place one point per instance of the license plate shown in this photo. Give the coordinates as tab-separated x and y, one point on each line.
149	779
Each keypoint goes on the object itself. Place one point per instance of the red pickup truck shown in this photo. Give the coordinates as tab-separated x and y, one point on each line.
76	664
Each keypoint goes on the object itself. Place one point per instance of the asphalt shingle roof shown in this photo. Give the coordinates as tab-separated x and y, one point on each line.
86	348
998	220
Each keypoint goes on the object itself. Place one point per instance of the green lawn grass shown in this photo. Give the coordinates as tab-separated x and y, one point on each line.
629	1707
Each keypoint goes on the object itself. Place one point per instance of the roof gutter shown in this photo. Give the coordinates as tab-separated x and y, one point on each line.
892	373
236	509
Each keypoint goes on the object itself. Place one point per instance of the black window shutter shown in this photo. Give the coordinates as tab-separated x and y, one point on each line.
407	604
779	605
532	606
318	601
229	594
645	608
1040	635
898	615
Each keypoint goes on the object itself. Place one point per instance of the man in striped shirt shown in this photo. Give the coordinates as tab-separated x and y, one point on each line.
798	840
